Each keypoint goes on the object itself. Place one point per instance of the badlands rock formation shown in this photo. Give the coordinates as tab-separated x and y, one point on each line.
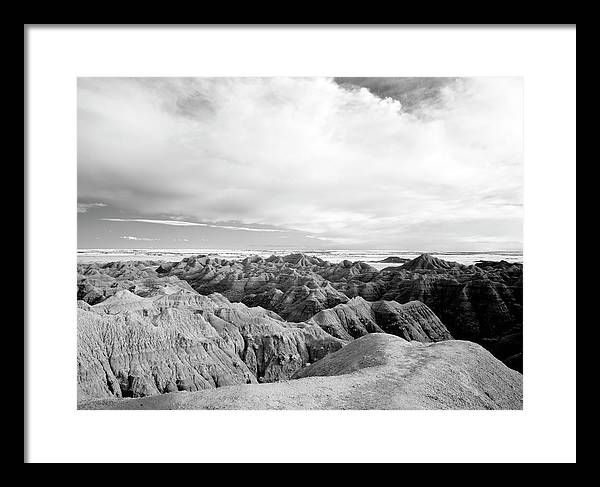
480	303
178	340
290	285
96	282
156	335
411	321
393	260
376	371
157	328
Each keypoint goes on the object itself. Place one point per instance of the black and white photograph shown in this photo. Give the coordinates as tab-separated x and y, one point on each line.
286	233
300	243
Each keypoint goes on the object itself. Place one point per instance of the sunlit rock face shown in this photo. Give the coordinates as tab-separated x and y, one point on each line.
358	317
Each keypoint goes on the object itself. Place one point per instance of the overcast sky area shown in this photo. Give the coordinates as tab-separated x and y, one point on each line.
416	164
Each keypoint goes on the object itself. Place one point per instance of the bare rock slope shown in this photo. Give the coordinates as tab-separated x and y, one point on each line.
376	371
132	346
357	317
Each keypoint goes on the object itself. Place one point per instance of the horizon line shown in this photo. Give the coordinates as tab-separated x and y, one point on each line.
156	249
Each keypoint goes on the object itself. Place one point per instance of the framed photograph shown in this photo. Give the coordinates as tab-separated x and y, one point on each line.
266	231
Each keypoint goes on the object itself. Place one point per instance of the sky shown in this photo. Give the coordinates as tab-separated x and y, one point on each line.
415	164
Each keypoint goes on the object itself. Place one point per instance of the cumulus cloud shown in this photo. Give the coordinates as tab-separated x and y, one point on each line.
338	160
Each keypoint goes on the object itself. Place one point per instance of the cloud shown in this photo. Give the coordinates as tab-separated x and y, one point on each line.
84	207
333	240
181	223
127	237
416	95
351	161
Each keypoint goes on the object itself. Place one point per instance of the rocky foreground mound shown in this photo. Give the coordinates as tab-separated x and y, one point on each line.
376	371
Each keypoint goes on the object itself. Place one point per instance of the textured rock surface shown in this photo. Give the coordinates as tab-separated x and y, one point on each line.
175	339
412	321
144	329
376	371
96	282
287	285
429	262
481	303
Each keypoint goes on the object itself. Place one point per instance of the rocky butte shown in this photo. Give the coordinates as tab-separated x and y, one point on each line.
298	332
